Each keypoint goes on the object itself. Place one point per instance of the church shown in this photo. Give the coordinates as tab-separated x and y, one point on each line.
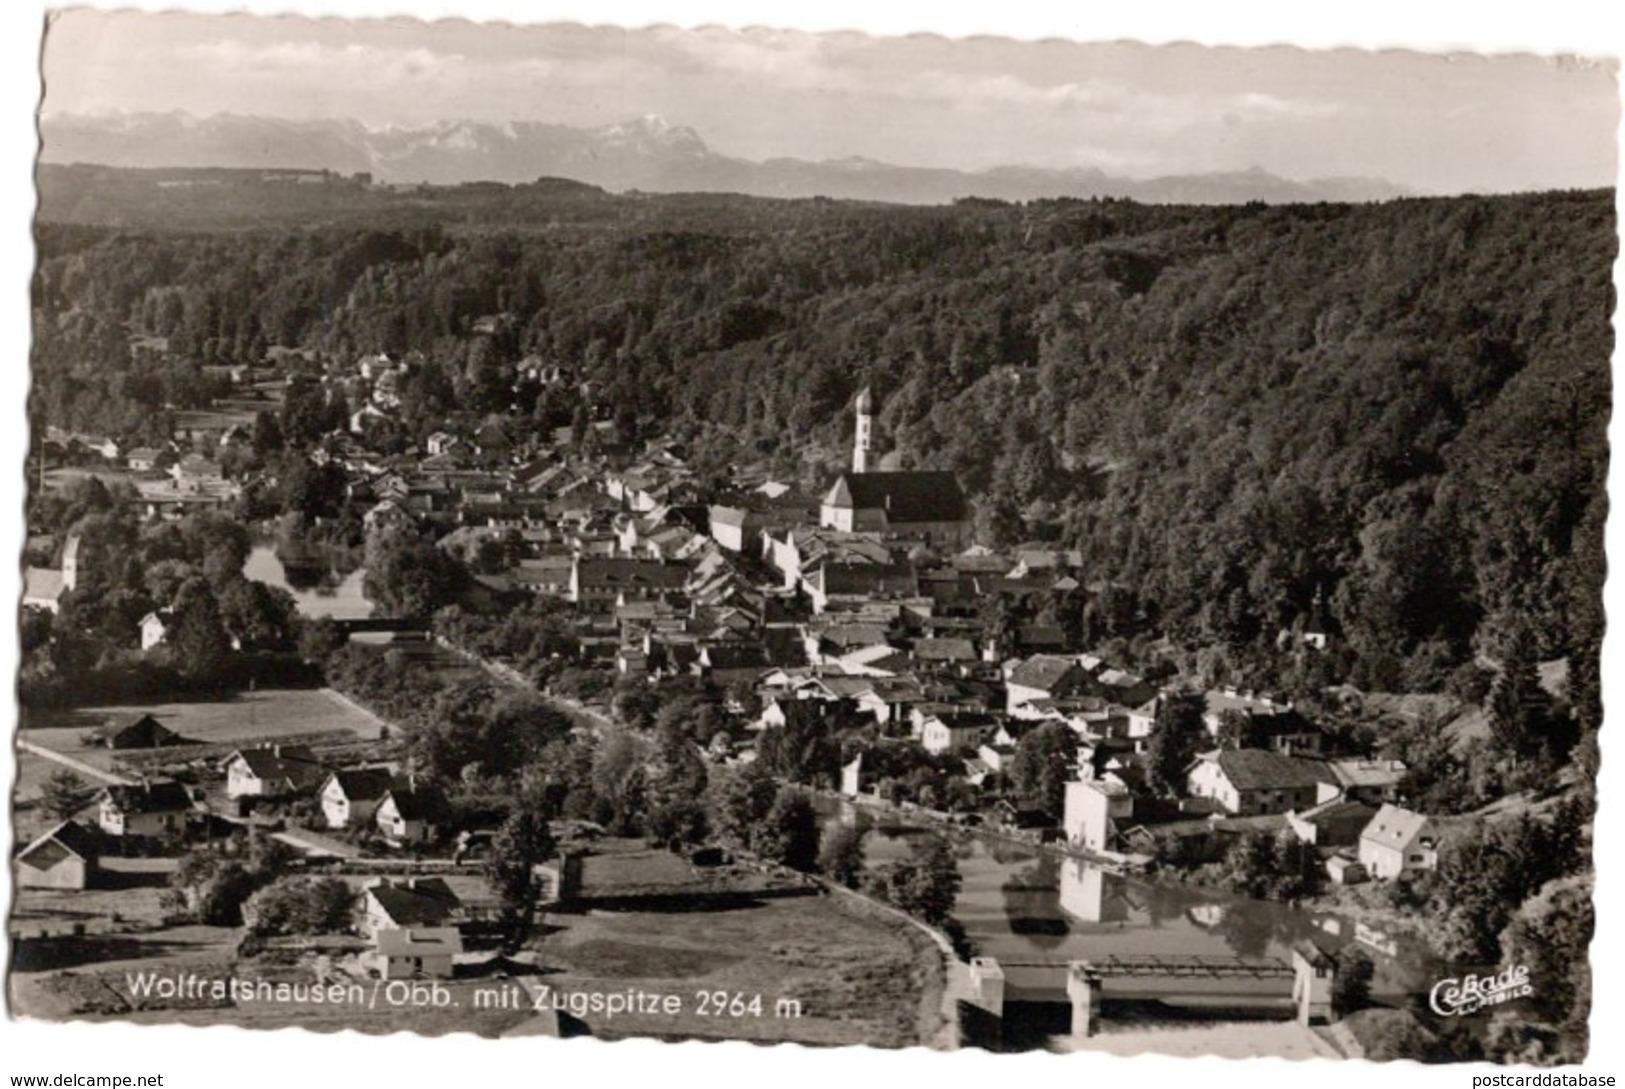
926	504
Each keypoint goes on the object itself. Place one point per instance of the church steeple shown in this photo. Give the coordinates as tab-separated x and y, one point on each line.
863	442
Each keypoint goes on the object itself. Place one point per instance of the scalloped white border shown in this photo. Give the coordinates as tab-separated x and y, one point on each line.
240	1059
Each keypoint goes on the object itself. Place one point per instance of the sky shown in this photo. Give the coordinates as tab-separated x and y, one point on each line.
1436	122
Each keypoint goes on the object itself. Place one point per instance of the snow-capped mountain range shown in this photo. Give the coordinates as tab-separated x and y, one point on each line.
649	154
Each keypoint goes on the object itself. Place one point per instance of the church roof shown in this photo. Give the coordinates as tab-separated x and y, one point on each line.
866	402
905	497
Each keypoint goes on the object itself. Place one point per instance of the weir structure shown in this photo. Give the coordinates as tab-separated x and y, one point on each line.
1306	980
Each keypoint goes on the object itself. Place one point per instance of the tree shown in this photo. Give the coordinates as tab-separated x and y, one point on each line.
523	842
1046	759
1486	872
63	794
408	576
1351	985
740	801
300	905
1519	709
925	885
198	642
1237	729
320	637
841	856
1551	936
258	616
675	823
1175	740
803	750
788	832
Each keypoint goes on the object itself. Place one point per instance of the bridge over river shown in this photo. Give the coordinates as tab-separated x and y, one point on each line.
359	625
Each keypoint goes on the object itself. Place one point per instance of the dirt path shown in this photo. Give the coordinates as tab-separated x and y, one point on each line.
76	765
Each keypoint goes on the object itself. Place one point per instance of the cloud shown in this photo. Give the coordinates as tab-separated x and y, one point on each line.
321	61
1260	105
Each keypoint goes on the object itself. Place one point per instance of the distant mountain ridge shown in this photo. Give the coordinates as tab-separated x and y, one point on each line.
648	154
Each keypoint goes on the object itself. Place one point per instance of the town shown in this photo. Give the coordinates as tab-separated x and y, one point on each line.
577	672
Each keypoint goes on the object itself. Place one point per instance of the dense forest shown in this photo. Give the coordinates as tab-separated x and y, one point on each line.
1386	419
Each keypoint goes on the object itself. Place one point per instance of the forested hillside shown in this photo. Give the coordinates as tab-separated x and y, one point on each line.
1400	408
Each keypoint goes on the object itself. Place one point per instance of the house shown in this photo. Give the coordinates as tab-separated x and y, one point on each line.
404	817
940	733
1268	724
414	902
138	732
196	472
66	857
601	582
1252	782
43	587
385	515
441	442
1344	870
1044	677
1332	824
1095	813
548	575
1396	842
1371	781
144	459
351	797
144	809
945	652
830	584
269	771
427	952
155	627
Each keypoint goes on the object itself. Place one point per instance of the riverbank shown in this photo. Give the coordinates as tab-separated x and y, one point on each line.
1224	1040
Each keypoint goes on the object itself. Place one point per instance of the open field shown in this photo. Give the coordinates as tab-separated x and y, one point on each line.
823	974
248	716
129	889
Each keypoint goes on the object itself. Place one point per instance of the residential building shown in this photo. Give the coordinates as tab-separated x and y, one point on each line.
940	733
417	952
404	817
1396	842
67	856
144	809
269	771
351	797
413	902
1251	782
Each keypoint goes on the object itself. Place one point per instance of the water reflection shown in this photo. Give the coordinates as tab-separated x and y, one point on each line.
320	587
1019	904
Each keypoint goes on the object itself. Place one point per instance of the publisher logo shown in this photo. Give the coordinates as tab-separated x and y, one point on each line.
1459	997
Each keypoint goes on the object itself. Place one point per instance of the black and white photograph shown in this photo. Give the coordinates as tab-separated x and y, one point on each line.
873	540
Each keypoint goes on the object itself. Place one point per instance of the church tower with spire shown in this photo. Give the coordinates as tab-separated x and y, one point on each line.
863	442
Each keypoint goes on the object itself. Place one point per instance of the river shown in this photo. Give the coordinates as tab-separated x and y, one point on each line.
320	587
1018	903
